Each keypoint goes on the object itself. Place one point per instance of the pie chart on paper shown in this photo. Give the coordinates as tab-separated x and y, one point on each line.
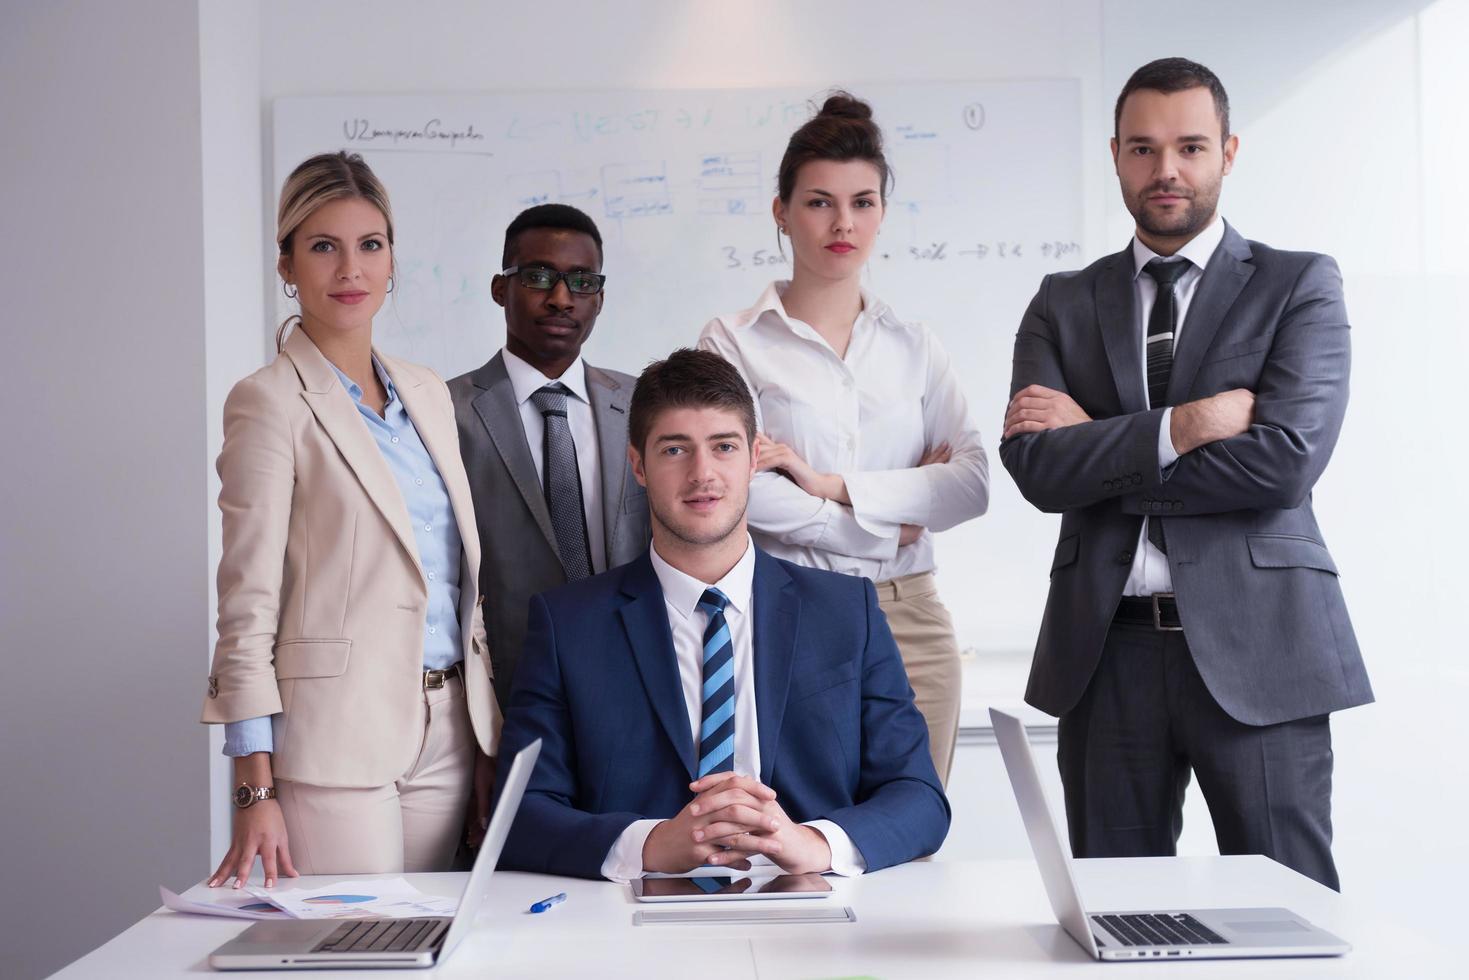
338	899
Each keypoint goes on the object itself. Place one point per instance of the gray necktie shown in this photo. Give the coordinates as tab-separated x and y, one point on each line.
561	481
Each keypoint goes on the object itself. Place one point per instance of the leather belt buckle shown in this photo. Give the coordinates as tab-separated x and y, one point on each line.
1158	613
435	679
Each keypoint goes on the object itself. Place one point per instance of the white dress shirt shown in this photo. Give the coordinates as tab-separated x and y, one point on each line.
681	594
526	380
1150	571
868	416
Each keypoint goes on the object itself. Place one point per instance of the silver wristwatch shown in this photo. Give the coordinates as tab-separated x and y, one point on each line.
246	796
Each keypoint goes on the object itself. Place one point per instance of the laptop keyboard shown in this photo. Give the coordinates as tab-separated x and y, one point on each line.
1148	929
382	936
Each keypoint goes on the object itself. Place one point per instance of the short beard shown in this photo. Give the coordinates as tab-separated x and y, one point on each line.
1193	219
696	539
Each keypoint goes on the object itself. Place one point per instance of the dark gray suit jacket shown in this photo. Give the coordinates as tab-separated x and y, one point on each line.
518	556
1257	589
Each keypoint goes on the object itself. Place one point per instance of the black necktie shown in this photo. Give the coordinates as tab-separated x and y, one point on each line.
1162	324
561	482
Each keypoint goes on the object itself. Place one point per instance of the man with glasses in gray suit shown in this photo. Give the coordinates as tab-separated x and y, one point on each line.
544	436
1176	403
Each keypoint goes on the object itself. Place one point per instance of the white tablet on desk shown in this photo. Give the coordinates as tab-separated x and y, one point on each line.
729	888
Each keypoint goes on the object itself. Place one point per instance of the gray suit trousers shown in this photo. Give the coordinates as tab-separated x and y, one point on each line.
1146	721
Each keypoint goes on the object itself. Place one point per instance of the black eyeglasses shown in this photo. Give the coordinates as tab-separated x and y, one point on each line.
537	277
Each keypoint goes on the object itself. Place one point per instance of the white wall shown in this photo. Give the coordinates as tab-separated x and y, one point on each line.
102	586
238	274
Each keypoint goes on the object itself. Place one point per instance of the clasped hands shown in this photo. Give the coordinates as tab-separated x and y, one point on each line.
1036	408
780	457
731	819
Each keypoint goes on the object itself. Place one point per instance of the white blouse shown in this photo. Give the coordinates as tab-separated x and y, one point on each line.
870	417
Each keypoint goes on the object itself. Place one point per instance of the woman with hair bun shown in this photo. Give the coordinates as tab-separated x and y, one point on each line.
351	671
866	444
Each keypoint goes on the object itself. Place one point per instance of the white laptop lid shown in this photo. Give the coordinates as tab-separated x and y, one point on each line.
478	887
1052	852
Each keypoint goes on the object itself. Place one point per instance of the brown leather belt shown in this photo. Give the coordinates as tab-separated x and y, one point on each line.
1159	610
435	679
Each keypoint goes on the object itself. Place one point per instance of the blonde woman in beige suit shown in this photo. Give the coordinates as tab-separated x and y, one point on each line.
351	672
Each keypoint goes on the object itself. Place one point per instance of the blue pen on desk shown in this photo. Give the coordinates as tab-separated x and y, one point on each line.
546	904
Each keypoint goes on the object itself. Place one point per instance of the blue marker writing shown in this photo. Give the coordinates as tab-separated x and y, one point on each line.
546	904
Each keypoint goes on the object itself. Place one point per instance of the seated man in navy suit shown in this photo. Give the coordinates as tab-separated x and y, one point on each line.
707	704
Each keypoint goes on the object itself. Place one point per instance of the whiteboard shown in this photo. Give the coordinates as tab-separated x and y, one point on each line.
988	198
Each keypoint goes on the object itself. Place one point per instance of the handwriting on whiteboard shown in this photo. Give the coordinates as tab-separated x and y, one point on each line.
433	133
735	258
981	251
1009	251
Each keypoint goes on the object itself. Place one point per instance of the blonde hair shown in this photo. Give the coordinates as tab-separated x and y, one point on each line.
324	178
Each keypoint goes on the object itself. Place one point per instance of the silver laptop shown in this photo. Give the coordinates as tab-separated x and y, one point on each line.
1164	934
383	943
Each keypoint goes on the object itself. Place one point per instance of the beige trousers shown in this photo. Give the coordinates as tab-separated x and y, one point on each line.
412	824
925	637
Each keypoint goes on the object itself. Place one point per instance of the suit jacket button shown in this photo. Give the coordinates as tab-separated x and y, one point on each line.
1125	558
1137	478
1175	505
213	686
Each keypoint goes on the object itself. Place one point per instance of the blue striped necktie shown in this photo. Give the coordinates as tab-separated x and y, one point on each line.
716	734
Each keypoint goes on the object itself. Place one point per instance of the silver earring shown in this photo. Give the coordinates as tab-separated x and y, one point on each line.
290	290
390	284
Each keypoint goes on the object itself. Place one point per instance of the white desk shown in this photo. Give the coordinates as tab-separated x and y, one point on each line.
928	920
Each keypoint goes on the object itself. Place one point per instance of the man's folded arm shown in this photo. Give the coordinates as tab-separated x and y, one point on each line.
550	835
901	812
1076	465
1300	403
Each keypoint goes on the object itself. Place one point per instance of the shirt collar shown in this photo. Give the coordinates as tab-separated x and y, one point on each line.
682	592
355	390
1198	250
526	380
772	301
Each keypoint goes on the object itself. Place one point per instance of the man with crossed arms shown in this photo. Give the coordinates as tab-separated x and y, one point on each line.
1176	402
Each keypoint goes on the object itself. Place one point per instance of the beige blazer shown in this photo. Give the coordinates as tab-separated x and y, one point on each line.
322	600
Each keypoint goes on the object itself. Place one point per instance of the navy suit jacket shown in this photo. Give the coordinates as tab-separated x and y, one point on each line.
840	738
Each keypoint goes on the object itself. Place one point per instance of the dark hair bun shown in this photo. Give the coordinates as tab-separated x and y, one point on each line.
845	105
842	130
